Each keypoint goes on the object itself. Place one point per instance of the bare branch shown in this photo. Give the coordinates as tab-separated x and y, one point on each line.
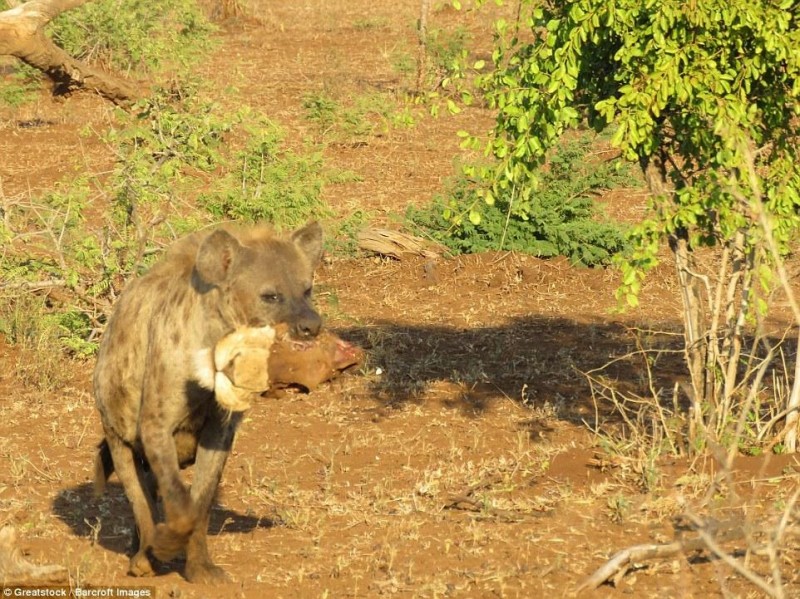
709	535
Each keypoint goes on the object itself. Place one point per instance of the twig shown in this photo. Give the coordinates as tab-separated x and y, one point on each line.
35	285
616	567
466	498
713	546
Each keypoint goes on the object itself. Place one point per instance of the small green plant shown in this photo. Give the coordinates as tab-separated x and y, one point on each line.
20	86
448	50
365	116
45	340
619	508
270	183
403	62
562	219
344	238
321	110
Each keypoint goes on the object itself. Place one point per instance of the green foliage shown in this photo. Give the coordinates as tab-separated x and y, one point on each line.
142	36
344	238
403	63
58	254
365	116
42	341
449	71
563	220
20	86
370	23
162	145
135	35
447	50
704	97
170	147
271	183
321	109
701	85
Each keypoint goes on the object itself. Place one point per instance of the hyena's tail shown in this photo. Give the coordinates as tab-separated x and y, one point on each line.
103	467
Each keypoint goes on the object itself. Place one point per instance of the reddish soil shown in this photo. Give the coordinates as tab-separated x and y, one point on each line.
460	460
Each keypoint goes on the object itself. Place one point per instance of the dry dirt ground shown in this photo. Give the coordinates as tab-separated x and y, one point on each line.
459	461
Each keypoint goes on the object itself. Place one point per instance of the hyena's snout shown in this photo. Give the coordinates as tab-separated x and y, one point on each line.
306	323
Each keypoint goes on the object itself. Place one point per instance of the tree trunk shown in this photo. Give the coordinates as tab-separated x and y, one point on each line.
696	342
422	45
22	35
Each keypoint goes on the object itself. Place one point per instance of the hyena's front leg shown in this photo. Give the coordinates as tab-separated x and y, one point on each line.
213	449
180	515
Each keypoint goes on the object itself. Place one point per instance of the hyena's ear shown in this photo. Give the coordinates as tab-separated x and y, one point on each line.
217	254
309	241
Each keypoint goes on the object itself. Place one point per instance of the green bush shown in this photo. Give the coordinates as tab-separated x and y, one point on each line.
561	220
170	147
20	86
270	183
140	36
365	116
133	35
448	50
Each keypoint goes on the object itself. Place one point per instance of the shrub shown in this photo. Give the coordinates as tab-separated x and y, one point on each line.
166	150
134	37
270	183
562	219
141	36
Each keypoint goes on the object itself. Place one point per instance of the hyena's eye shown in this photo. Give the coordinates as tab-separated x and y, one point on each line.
271	298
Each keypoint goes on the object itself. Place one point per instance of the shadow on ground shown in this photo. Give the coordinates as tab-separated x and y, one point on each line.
531	360
110	520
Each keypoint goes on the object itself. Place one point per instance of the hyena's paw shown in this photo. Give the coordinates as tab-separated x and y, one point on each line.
206	573
169	543
140	565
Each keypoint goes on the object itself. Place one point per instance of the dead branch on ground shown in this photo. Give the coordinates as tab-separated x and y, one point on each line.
394	243
22	34
696	534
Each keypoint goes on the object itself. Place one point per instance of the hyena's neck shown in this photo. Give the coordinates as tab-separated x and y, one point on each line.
211	317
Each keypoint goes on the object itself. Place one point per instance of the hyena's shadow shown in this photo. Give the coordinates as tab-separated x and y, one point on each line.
108	520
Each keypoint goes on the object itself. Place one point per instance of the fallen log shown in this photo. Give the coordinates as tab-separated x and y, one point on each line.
22	34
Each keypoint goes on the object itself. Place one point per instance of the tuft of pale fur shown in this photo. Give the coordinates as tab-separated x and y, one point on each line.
236	368
204	368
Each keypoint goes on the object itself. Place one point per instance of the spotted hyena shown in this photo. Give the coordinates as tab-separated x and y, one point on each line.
156	415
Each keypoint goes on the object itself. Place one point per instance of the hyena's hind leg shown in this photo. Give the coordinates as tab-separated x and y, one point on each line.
104	468
130	471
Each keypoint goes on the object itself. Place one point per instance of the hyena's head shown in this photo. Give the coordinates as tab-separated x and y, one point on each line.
263	279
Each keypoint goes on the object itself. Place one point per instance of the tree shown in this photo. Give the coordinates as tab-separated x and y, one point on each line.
704	97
